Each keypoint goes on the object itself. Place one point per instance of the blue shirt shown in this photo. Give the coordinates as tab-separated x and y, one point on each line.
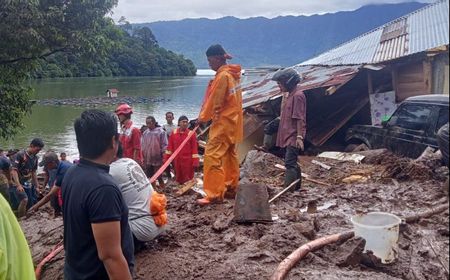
5	163
63	166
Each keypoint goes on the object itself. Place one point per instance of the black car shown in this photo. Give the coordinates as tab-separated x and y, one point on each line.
410	130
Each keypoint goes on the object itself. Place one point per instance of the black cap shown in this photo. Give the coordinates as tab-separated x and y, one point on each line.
183	118
49	157
217	50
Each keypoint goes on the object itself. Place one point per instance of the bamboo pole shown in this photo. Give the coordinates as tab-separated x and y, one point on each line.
433	211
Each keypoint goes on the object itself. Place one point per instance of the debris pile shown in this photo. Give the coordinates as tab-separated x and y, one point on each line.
205	243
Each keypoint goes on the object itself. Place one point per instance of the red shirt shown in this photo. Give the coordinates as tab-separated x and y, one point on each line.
130	137
293	109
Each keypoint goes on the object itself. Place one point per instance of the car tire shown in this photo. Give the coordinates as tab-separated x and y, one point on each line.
350	148
356	148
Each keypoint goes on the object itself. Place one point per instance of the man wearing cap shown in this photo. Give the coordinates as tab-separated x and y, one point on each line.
292	126
187	160
223	106
51	162
130	137
23	173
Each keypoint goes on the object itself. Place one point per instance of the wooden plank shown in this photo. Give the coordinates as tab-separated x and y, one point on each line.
446	81
394	75
411	88
321	164
186	187
410	78
427	76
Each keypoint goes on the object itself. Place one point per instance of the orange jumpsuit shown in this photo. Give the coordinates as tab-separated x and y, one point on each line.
187	159
224	107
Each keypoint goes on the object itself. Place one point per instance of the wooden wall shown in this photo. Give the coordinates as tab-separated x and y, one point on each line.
412	79
446	81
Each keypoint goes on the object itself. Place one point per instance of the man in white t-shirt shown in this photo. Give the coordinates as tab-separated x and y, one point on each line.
137	192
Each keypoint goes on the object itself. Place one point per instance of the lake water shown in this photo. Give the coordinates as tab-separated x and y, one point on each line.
54	124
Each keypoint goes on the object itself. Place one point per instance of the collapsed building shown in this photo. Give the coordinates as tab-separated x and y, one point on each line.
361	81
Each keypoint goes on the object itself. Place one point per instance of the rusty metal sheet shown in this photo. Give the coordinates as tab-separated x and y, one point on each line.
419	31
259	88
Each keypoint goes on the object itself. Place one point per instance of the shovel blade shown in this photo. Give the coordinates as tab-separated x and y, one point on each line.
251	204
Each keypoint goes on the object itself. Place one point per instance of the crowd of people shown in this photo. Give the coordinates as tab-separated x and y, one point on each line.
109	205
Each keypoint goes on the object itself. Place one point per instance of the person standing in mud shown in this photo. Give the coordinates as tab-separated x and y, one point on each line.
188	159
292	126
154	144
23	173
97	238
223	106
130	136
169	127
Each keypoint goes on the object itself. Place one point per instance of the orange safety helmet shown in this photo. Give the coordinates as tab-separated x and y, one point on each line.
124	109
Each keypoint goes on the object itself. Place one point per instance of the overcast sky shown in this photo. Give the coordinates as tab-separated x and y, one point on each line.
139	11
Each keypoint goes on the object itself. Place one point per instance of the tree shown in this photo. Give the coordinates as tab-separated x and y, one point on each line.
145	35
137	55
35	29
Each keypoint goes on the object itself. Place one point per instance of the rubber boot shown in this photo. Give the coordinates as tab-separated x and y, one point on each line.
299	176
267	144
290	177
268	141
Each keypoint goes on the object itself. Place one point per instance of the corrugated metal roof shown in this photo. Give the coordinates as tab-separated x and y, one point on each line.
259	88
426	28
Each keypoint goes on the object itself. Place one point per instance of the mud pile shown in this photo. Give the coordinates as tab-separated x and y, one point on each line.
205	243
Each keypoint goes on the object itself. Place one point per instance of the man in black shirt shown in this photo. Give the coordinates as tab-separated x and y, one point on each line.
97	238
23	173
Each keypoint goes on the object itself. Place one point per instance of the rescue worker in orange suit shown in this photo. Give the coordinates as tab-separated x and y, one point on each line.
187	160
130	137
223	106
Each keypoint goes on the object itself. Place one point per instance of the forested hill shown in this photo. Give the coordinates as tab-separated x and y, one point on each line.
130	53
280	41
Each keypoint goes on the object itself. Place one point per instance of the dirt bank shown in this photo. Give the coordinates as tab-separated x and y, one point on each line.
204	243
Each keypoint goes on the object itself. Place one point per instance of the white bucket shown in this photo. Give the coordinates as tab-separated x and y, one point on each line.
381	231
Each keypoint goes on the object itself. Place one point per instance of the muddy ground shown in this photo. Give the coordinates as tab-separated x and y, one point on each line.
204	242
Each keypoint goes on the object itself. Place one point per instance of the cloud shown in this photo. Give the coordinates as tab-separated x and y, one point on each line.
138	11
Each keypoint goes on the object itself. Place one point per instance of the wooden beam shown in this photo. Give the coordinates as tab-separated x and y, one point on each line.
370	82
394	82
427	76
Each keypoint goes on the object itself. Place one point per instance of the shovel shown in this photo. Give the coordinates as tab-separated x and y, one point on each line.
252	203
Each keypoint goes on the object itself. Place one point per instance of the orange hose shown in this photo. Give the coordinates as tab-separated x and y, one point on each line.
172	157
58	248
288	263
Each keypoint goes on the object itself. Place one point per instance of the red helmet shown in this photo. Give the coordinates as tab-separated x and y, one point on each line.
124	109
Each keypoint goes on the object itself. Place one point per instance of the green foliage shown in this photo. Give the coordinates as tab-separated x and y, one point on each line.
70	38
14	98
35	29
130	55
